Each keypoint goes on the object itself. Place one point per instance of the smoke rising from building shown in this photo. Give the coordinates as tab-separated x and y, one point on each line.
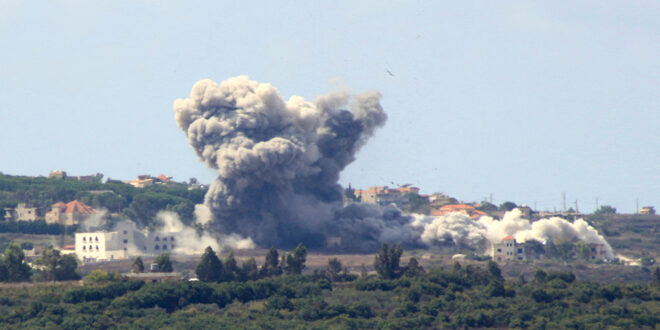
460	229
278	163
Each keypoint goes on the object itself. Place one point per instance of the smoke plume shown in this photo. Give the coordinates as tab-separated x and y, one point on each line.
278	162
460	229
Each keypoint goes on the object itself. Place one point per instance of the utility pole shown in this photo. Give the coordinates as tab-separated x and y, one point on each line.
563	196
577	209
596	203
637	206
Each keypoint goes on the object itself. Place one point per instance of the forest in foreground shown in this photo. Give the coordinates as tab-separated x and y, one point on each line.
455	297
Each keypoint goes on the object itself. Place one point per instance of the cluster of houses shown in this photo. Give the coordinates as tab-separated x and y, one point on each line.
67	214
508	249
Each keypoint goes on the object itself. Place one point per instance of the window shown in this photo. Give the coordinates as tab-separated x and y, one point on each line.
172	246
125	249
125	232
157	239
164	239
97	248
84	239
96	238
125	241
172	238
90	248
84	248
520	250
499	250
156	247
164	246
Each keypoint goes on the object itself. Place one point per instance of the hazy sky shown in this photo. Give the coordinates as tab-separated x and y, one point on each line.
524	100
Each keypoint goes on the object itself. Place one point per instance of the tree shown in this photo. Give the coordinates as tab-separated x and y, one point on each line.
98	276
333	269
209	268
249	270
387	260
14	263
486	207
540	276
230	268
414	268
494	271
349	194
271	266
67	269
164	263
57	267
417	202
605	209
295	263
508	206
138	265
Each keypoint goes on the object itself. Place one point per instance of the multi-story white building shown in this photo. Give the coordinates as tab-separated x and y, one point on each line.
507	249
125	241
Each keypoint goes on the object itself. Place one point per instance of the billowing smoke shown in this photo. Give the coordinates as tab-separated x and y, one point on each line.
278	162
190	241
462	230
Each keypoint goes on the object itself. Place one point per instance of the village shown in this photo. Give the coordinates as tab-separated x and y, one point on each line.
93	241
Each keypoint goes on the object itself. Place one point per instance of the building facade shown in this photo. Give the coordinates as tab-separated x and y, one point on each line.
125	241
69	214
508	250
22	212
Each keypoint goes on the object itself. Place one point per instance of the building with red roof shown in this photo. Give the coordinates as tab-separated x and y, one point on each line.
69	214
508	250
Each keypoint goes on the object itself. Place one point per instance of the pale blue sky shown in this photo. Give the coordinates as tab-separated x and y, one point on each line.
524	100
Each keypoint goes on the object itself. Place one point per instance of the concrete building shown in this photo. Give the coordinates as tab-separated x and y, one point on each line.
647	210
125	241
69	214
141	183
507	250
384	195
596	251
23	213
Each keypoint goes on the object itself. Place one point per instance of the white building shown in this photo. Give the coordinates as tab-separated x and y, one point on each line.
125	241
507	249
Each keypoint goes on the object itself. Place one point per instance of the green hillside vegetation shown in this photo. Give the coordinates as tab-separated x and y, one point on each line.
399	297
139	204
462	297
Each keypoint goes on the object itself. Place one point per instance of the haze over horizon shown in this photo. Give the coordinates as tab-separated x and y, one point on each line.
521	100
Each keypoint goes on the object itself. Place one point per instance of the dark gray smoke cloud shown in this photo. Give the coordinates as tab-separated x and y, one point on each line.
278	163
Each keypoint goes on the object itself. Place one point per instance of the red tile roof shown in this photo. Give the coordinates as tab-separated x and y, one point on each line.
508	238
79	207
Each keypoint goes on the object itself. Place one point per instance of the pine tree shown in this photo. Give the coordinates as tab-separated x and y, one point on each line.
249	270
209	268
333	269
295	263
230	268
387	260
138	265
271	266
